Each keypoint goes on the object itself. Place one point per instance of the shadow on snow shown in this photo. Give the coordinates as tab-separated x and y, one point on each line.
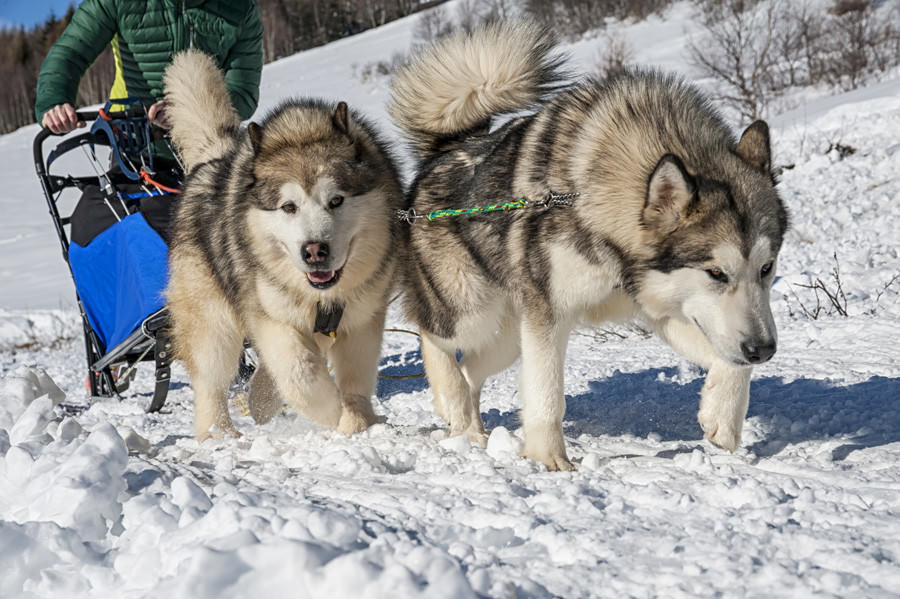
402	364
649	402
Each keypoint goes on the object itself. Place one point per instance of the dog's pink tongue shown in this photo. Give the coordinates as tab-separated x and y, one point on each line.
320	276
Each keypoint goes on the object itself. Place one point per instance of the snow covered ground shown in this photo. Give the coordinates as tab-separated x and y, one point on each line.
102	500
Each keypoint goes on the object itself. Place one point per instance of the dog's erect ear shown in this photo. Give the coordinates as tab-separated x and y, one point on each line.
754	146
669	195
255	132
341	119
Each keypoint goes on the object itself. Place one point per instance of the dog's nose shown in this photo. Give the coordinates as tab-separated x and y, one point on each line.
314	252
758	353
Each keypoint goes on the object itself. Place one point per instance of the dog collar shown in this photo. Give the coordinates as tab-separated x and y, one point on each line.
328	317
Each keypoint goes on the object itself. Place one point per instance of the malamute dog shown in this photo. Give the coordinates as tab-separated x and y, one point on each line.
676	222
285	235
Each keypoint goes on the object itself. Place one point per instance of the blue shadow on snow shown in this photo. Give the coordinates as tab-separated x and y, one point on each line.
401	364
864	414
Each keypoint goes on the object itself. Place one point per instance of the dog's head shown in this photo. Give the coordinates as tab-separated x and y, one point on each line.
319	185
717	233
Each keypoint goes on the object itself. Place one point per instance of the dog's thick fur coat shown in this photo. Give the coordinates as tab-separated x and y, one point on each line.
278	223
676	223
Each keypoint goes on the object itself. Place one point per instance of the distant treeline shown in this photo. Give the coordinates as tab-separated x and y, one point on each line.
289	26
21	54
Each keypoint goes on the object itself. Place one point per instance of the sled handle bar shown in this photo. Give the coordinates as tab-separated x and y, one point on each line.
44	133
47	186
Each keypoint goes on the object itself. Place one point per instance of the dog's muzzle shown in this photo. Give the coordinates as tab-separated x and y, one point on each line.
317	254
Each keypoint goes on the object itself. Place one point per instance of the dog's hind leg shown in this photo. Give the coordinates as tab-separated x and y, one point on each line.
452	394
210	375
299	370
541	387
265	401
501	351
207	338
355	361
725	396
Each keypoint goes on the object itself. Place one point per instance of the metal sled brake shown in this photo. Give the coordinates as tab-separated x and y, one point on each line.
118	259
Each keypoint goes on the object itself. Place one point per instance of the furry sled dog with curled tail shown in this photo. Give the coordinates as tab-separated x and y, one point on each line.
285	235
677	223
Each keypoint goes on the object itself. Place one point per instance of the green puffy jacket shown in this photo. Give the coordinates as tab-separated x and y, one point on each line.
147	33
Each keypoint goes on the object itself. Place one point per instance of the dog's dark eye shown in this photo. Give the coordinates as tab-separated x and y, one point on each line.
335	201
765	270
289	208
717	275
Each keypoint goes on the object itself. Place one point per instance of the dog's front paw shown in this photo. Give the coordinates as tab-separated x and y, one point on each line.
550	451
553	462
719	431
356	414
479	437
474	432
723	405
328	415
325	410
216	431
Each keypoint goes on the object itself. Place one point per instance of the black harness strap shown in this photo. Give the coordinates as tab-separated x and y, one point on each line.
328	317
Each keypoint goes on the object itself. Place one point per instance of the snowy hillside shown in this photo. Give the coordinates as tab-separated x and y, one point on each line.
103	500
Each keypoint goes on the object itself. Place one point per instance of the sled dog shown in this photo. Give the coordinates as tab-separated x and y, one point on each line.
285	236
676	222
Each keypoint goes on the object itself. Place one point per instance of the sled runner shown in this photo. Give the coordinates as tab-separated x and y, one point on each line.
114	242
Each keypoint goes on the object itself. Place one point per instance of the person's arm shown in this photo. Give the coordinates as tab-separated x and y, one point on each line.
92	27
243	65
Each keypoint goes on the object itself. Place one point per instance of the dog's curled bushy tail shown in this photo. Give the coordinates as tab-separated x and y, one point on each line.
198	107
454	86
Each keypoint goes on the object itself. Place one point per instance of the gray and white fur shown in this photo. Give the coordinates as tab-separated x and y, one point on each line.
279	222
677	223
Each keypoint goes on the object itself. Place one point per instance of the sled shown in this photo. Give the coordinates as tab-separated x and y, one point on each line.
113	242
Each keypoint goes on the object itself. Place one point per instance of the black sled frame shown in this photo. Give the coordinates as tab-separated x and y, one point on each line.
149	341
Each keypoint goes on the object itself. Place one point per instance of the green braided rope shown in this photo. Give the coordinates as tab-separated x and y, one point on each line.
514	205
548	201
